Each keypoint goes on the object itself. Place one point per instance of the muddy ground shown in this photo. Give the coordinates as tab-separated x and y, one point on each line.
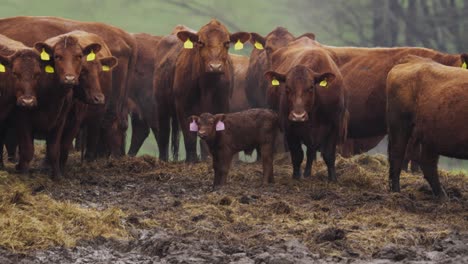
172	215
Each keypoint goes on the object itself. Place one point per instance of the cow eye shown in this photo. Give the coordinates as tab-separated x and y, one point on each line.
79	57
17	75
201	44
58	57
227	44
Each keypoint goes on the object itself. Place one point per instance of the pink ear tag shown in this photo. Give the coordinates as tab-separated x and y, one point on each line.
220	126
193	126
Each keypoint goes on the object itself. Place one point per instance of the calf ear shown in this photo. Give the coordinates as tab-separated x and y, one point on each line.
219	117
193	123
4	64
44	50
257	40
243	37
108	63
325	79
464	59
275	78
307	35
184	35
90	49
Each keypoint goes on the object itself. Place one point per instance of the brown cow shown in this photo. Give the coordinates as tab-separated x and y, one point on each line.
141	90
64	58
228	134
203	76
427	102
260	62
312	103
20	70
238	102
365	71
165	115
122	45
95	85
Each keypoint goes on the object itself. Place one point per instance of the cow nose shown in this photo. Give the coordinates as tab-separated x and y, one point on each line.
70	78
299	117
27	101
99	99
216	67
201	134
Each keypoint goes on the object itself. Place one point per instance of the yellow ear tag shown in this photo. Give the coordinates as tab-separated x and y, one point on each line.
2	68
464	66
323	83
188	44
275	82
44	55
239	45
49	69
258	45
91	56
105	68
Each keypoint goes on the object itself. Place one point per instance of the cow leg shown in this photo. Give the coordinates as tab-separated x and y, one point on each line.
162	137
70	131
267	160
429	160
221	164
329	156
92	135
2	140
398	137
25	145
140	131
11	144
311	156
204	150
297	155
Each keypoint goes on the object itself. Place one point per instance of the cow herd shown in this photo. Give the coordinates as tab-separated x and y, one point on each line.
62	80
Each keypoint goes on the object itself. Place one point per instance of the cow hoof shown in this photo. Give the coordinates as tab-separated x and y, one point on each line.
442	197
21	169
307	173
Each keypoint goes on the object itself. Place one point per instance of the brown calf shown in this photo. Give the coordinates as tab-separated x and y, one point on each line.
427	103
228	134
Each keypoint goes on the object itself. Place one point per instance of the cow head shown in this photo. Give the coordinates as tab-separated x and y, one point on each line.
89	89
24	67
67	57
206	125
275	40
301	84
212	43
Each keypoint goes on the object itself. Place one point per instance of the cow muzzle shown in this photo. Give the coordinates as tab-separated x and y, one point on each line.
215	67
69	79
298	117
202	134
27	101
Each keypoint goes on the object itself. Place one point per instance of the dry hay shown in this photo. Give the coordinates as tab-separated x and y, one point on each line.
33	220
355	217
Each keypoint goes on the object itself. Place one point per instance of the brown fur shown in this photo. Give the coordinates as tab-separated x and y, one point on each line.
29	30
310	114
141	90
244	131
427	103
238	102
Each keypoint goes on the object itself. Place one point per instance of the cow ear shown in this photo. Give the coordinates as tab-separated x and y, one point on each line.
307	35
243	37
108	63
257	40
275	78
4	63
464	60
194	118
184	35
92	48
44	50
324	79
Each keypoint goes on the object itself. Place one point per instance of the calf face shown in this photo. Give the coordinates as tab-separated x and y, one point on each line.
206	125
25	69
301	84
89	89
212	43
67	57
